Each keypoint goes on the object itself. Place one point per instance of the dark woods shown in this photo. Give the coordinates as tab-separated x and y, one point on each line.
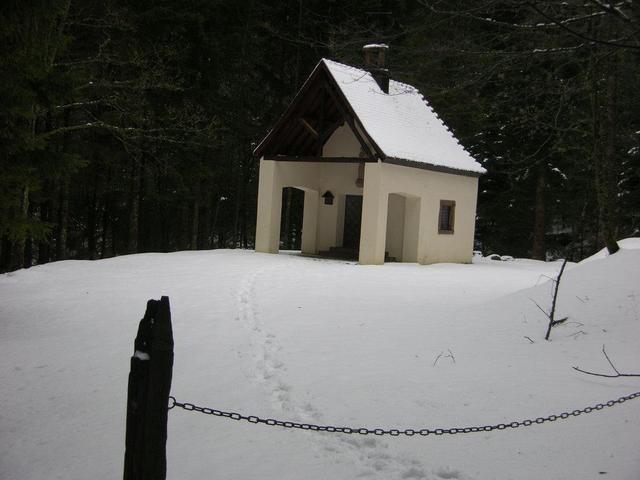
128	126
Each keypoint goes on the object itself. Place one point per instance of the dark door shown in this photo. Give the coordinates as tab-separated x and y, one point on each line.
352	221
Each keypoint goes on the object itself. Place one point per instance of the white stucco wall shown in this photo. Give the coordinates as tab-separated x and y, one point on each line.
383	179
400	206
315	179
341	143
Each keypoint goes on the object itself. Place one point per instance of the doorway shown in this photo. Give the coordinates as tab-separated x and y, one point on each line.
403	225
291	218
352	221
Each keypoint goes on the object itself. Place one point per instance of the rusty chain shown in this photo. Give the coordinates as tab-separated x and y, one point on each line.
409	432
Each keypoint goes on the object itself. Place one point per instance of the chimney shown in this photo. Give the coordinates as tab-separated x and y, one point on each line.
374	59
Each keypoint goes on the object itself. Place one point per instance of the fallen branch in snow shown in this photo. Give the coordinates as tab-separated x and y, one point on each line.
577	334
542	275
451	356
616	375
529	338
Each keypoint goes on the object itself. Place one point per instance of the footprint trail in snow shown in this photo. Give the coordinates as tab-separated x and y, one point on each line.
369	456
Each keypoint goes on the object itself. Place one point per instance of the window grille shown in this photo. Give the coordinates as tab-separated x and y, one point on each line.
447	216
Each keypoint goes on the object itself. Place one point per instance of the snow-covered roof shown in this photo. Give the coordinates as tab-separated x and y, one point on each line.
401	123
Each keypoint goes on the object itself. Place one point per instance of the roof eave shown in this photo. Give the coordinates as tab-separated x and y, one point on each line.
435	168
257	152
379	153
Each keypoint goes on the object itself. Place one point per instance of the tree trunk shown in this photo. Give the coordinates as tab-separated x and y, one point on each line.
105	225
538	250
238	205
185	233
18	250
92	223
28	247
134	207
62	220
609	168
204	241
195	220
214	224
5	254
63	202
44	246
604	155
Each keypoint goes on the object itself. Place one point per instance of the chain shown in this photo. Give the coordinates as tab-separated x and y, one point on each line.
409	432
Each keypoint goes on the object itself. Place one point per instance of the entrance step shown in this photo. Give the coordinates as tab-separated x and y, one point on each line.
341	253
346	253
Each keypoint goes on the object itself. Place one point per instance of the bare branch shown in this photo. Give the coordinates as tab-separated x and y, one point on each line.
541	309
547	277
552	321
616	375
451	355
101	101
442	355
154	134
522	26
575	33
558	322
438	358
612	9
609	360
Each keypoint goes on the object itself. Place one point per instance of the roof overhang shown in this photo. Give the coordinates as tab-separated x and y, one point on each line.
302	158
318	109
333	109
427	166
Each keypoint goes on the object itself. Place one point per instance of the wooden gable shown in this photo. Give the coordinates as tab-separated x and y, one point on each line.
316	111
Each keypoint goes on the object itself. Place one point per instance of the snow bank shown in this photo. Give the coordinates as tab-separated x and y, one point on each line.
624	244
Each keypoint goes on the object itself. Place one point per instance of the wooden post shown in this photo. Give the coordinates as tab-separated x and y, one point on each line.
148	395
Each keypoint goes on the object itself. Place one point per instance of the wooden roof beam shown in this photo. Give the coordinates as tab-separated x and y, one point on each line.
309	128
326	133
350	121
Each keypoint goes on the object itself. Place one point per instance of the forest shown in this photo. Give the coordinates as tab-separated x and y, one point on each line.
129	126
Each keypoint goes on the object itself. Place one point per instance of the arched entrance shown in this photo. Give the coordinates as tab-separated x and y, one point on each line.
403	225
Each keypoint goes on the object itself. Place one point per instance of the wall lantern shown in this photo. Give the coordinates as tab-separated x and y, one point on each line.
328	198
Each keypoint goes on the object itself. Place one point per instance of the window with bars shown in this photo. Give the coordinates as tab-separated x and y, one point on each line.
447	216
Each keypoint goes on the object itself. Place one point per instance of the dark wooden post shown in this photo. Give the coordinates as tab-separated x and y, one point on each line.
148	395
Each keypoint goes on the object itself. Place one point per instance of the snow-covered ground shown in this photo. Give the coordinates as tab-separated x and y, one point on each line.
330	342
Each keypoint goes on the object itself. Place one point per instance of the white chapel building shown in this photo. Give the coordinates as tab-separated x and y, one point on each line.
383	177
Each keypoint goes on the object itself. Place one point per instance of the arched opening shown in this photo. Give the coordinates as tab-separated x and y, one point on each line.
291	217
403	225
